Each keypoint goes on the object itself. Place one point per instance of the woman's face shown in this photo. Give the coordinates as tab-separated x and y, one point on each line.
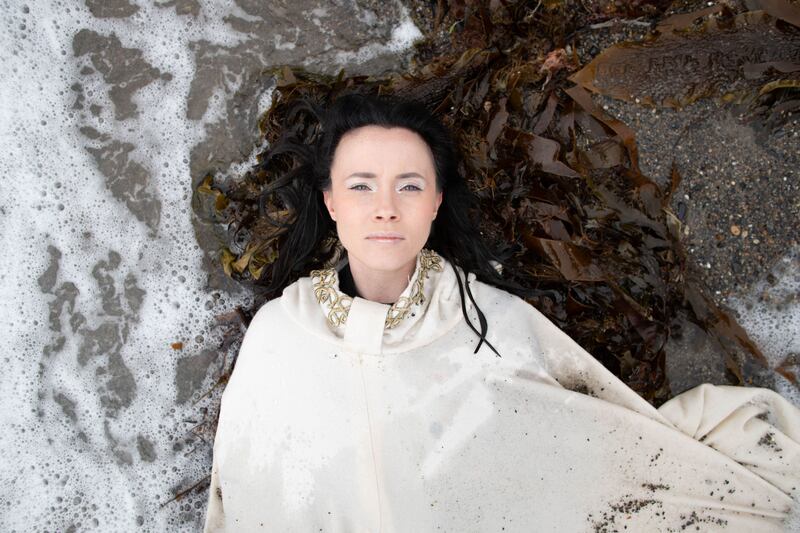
383	195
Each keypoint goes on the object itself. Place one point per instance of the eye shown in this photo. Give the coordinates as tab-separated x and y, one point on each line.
356	187
413	187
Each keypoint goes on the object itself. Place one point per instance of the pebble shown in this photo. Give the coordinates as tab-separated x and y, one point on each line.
736	230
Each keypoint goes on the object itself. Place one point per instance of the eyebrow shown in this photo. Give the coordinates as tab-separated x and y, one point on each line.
399	176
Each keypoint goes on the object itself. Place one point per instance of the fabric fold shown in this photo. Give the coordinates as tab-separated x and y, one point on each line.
755	427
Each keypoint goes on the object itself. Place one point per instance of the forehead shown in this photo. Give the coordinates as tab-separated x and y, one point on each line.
377	146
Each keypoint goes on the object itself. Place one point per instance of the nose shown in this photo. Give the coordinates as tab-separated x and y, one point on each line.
386	207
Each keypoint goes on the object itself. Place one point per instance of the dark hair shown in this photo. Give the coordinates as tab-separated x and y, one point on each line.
453	235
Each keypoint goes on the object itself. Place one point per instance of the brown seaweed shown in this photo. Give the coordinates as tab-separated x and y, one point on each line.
726	57
560	192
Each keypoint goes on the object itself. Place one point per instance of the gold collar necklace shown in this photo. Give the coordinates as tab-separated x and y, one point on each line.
325	283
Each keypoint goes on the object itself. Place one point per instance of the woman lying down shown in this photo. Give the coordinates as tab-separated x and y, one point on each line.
410	389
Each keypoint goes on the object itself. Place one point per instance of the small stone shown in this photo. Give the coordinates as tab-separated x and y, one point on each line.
736	230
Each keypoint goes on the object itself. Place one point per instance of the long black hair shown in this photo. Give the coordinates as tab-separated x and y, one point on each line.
454	233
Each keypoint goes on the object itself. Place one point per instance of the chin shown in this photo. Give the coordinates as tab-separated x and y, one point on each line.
383	256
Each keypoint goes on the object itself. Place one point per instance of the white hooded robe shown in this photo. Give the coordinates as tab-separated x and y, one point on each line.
337	419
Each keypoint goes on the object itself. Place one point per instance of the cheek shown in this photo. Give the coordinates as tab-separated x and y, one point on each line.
427	207
422	216
351	207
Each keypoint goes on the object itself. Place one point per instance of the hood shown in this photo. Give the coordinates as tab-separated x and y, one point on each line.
427	308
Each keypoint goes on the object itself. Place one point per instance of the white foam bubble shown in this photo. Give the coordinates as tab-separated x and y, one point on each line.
58	472
404	35
770	313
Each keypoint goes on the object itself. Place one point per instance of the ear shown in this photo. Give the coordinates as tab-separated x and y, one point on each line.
438	203
326	197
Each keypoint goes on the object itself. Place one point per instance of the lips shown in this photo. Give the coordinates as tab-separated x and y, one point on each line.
385	236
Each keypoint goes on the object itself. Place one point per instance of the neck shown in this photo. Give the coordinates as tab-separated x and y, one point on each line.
383	286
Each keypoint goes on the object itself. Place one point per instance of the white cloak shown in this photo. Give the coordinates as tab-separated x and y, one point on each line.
337	419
